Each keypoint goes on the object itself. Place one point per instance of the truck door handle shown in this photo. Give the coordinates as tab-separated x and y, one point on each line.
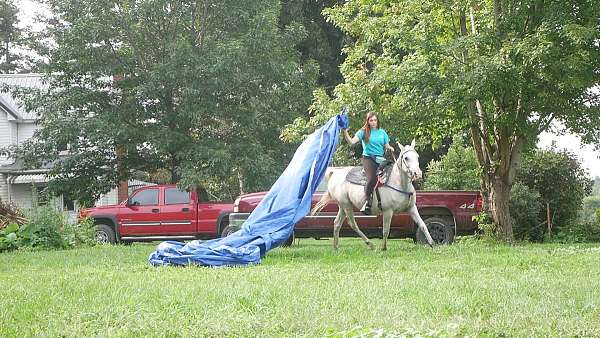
154	210
185	209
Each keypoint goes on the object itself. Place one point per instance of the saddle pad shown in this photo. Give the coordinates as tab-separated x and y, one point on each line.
356	176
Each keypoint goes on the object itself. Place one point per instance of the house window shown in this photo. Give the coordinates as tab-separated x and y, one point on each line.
176	196
145	197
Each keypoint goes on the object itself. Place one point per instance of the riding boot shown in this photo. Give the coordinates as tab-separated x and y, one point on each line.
366	209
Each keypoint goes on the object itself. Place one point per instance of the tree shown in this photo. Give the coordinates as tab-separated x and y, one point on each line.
501	70
14	40
195	88
324	41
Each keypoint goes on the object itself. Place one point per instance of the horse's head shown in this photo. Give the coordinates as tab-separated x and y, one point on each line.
408	161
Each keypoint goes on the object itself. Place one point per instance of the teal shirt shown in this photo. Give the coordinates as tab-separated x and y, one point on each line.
378	139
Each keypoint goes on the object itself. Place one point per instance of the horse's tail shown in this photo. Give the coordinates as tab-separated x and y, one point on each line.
326	196
321	204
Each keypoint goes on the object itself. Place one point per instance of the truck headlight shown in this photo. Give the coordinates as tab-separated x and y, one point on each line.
236	205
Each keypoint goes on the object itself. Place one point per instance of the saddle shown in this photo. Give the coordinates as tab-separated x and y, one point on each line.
356	175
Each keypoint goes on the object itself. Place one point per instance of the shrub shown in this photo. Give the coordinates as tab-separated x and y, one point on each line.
581	231
44	229
49	229
561	182
457	170
8	237
487	229
80	234
525	210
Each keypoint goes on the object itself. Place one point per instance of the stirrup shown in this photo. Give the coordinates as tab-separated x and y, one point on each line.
366	209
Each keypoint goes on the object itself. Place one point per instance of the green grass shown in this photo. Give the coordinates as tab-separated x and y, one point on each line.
470	288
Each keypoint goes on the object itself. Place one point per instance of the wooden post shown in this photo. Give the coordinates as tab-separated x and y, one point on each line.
548	220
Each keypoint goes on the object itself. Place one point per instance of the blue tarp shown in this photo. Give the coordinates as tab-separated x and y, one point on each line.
273	220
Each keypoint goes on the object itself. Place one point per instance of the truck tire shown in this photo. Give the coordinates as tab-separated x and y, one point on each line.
228	230
441	230
105	234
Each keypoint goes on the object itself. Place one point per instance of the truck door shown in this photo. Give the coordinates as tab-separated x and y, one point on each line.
141	216
178	213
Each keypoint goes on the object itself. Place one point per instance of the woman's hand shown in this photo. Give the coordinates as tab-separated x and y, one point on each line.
350	140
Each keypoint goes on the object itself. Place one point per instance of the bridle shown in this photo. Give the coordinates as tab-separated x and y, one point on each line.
403	163
401	168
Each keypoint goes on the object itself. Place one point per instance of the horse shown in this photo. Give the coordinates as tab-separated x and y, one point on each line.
397	195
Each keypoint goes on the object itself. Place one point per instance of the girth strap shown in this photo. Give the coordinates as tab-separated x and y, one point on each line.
398	190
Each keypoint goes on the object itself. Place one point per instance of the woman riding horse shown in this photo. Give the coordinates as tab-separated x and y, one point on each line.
374	143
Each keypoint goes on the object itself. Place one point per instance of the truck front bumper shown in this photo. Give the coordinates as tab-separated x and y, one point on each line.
237	219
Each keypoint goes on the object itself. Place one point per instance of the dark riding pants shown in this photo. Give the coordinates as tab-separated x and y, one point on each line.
370	168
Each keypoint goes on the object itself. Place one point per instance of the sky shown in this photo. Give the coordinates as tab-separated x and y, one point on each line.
589	157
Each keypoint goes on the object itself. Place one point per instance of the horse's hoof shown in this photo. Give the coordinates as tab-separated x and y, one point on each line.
383	248
371	246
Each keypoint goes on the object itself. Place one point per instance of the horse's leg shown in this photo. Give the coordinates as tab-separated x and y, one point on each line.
354	226
414	213
337	225
387	219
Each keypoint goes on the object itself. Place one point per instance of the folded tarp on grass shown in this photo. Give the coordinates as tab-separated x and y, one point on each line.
273	220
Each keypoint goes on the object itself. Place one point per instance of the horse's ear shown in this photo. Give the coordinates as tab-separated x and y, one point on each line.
400	147
412	144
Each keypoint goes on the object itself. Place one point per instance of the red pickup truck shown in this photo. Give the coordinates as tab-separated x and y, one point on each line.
446	214
159	212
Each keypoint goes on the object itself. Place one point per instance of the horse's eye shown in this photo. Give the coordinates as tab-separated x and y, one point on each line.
406	158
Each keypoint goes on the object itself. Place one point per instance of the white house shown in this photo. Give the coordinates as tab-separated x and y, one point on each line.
17	184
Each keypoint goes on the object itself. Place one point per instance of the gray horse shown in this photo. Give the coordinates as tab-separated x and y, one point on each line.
397	195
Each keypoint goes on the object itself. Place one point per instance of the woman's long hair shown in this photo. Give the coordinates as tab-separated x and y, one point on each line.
367	127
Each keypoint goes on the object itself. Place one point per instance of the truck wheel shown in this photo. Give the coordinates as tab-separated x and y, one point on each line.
228	230
289	241
105	234
440	229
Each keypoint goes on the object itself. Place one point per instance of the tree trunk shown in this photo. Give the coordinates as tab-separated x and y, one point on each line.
241	182
175	178
121	153
122	191
123	186
499	207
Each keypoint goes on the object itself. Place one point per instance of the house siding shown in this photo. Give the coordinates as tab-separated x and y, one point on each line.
21	195
109	198
25	131
3	188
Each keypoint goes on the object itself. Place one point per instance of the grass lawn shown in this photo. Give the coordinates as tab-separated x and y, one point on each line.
470	288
